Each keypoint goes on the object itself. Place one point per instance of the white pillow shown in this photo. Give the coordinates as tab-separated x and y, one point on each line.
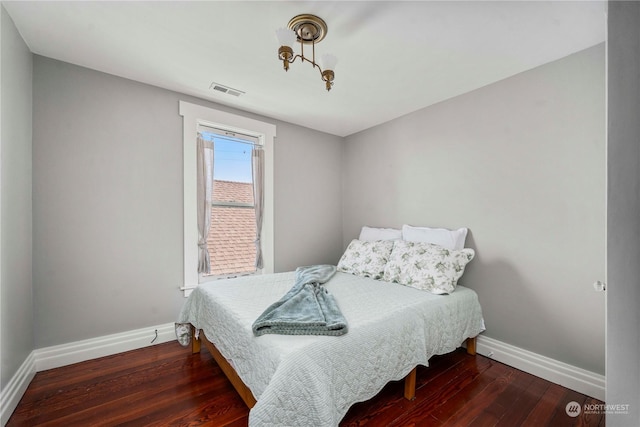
450	239
426	266
366	259
370	234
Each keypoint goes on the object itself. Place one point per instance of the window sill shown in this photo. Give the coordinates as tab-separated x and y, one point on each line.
187	289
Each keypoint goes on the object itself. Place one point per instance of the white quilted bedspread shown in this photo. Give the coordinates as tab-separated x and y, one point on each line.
313	380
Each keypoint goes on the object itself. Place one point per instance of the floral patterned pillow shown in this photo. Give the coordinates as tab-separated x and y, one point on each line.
366	258
426	266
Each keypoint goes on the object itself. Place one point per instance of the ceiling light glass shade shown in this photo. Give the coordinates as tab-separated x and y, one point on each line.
329	61
286	37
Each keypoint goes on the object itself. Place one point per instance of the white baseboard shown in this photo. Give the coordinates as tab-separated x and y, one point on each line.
15	388
557	372
79	351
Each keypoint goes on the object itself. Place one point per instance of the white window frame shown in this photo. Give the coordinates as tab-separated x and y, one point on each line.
194	115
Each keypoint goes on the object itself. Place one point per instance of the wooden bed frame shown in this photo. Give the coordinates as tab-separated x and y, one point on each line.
247	396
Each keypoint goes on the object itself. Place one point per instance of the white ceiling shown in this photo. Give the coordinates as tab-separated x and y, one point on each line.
393	57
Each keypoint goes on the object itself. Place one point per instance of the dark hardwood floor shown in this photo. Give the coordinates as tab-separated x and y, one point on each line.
165	385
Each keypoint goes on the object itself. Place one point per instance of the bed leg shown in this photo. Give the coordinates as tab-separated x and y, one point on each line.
195	343
410	385
471	346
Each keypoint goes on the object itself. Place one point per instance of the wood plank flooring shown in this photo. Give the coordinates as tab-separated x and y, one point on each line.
165	385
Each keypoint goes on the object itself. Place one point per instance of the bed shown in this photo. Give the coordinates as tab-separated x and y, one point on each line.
313	380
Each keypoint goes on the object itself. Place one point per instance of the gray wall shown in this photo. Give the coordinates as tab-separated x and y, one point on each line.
15	193
623	212
308	212
107	202
521	163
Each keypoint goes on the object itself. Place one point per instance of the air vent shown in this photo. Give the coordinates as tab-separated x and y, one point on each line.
225	89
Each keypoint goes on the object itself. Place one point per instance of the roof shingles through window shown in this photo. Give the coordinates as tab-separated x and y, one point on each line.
231	239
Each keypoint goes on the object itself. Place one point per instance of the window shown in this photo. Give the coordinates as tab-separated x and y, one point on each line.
231	241
196	118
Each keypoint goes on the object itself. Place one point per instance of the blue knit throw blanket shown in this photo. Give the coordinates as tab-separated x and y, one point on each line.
307	309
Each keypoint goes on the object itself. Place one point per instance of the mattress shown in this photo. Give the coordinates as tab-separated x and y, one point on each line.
313	380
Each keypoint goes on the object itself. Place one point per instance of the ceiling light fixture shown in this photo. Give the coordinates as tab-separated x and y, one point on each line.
306	29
